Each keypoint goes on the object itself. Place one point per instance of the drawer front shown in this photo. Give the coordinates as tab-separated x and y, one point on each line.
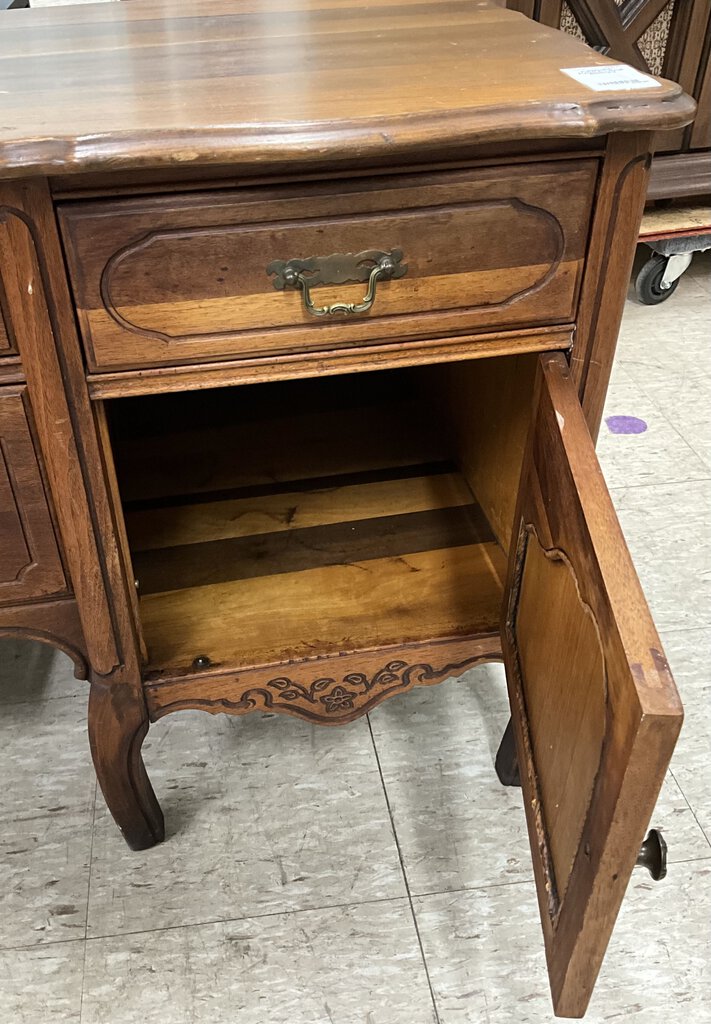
184	279
30	566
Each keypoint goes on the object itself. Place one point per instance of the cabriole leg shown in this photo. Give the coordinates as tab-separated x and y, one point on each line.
117	728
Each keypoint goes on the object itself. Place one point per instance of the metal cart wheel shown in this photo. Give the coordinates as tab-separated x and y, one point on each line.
650	287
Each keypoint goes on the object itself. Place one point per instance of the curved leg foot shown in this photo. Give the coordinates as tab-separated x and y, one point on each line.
506	763
117	728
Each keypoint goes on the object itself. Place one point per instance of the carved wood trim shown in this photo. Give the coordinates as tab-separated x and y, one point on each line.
326	691
81	668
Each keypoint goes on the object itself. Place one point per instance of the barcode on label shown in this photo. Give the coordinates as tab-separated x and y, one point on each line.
610	77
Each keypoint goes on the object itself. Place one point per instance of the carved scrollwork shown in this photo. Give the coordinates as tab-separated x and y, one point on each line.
330	700
343	696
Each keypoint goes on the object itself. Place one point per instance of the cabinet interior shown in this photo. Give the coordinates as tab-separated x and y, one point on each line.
283	520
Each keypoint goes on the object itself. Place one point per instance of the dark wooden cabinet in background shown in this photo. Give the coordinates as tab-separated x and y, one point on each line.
671	38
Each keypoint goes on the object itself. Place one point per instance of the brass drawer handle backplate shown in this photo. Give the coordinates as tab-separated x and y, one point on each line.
372	266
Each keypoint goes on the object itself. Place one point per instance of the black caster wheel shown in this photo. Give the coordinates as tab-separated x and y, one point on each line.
648	283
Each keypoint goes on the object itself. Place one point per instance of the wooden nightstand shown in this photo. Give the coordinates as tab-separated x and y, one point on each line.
307	320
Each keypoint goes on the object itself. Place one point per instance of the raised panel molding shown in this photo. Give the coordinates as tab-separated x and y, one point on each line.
7	345
191	258
15	555
30	566
158	281
563	780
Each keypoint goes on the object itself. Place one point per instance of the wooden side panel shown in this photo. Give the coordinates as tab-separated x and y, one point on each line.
615	230
30	566
181	279
41	314
688	64
527	7
486	406
107	457
595	710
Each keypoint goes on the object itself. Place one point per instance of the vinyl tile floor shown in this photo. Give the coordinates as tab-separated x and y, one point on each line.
375	874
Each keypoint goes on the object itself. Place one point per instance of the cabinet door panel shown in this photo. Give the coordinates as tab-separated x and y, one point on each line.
30	566
595	710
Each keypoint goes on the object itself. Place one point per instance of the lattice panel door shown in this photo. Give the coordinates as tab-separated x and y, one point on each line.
664	37
629	30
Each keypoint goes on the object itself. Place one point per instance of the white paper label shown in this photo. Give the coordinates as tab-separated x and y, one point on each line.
611	77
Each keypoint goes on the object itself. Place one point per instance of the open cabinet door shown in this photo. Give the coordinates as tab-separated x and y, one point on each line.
594	707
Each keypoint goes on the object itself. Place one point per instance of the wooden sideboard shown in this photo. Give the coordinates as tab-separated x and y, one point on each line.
308	315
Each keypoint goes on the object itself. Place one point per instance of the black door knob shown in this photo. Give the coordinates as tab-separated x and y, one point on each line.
653	855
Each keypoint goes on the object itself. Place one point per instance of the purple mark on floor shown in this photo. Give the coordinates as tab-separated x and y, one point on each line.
625	425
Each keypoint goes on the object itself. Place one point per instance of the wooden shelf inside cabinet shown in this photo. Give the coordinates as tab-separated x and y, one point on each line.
417	561
309	531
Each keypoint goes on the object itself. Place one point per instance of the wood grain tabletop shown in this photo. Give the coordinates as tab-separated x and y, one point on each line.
171	82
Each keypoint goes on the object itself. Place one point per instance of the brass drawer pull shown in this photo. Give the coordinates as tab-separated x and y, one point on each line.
372	266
